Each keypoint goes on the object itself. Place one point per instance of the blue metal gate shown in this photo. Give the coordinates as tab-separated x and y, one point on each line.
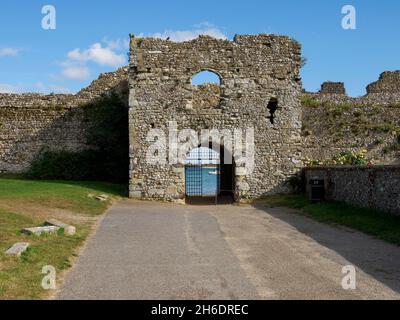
202	173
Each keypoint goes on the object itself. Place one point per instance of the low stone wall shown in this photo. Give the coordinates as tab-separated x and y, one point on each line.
30	122
375	187
26	130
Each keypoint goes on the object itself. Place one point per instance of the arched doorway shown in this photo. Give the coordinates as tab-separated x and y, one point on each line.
208	176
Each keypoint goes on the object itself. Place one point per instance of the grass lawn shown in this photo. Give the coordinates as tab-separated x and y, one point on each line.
26	203
380	225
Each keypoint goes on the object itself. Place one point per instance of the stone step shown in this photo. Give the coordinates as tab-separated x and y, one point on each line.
18	248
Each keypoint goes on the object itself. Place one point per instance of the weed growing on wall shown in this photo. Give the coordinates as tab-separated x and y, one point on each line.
346	158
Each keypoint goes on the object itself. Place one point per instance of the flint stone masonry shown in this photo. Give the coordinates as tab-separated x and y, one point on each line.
30	122
342	123
385	92
330	130
18	248
370	187
253	69
333	88
389	82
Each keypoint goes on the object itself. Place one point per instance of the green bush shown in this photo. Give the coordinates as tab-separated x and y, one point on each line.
351	158
346	158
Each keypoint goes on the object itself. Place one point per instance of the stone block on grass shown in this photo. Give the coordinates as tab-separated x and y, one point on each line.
68	229
40	230
18	248
102	197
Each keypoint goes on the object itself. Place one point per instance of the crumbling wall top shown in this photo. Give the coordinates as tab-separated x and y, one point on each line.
110	81
330	87
385	91
247	55
389	82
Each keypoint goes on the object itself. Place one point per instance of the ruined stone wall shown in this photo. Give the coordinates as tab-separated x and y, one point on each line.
376	187
333	122
332	88
389	82
30	122
252	69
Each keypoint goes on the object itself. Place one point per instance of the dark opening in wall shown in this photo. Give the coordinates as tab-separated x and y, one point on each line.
272	107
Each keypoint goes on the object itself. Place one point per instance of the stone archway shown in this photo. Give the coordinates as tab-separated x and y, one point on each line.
209	174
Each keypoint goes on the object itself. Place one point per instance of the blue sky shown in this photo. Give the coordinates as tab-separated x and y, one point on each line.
91	37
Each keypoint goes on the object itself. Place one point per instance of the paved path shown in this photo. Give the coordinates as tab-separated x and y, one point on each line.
145	250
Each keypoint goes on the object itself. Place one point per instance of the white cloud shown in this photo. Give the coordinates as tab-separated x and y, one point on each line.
104	56
118	44
39	87
76	73
110	53
43	88
58	89
8	52
8	88
204	28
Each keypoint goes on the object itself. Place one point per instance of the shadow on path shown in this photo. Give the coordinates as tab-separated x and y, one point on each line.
379	259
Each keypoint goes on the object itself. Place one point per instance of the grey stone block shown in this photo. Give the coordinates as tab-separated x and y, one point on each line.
68	229
102	197
40	230
18	248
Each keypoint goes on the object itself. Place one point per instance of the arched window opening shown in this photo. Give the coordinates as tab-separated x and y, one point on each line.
205	77
206	90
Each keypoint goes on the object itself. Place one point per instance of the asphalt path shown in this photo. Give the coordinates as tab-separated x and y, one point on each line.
150	250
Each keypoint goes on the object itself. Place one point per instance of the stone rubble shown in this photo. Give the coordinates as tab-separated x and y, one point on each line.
68	229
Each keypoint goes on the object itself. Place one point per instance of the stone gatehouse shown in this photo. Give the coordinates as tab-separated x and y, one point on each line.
260	88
